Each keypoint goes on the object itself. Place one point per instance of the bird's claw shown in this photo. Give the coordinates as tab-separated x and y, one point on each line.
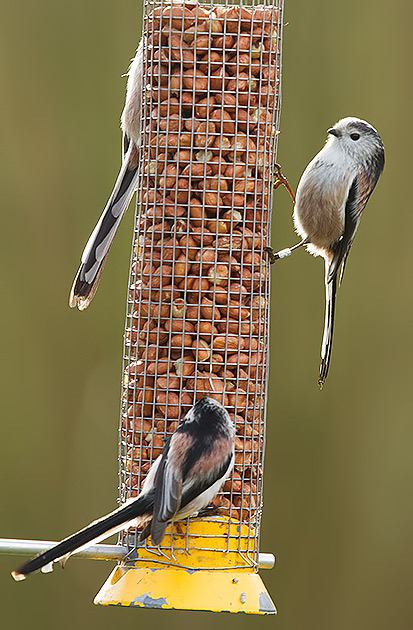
281	180
273	256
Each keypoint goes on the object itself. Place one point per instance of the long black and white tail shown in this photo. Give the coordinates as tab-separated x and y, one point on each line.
330	290
97	248
138	510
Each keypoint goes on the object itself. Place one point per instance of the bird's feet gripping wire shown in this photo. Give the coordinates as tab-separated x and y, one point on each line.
283	253
281	180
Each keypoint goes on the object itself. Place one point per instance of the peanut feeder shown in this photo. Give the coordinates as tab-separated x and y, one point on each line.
198	302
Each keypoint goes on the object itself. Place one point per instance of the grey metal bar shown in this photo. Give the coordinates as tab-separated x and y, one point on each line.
21	547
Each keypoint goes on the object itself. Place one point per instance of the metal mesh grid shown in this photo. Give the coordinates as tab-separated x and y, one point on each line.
198	305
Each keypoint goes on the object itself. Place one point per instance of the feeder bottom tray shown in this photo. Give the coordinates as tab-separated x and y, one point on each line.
218	578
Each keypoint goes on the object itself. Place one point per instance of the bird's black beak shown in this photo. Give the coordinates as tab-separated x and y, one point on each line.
333	132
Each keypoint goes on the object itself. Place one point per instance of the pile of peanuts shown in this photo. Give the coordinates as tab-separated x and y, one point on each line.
199	287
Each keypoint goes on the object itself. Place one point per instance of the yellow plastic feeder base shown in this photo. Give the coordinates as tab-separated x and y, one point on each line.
183	589
181	582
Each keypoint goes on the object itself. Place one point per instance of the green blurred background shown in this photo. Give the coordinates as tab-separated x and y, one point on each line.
339	467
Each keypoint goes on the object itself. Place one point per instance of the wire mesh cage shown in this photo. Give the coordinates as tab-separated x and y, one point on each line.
198	304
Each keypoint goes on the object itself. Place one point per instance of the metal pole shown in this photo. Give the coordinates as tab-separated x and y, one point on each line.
21	547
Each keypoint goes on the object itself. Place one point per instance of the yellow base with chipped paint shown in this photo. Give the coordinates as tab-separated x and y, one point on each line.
207	570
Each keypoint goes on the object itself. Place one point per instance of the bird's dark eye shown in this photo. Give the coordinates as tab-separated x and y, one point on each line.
354	136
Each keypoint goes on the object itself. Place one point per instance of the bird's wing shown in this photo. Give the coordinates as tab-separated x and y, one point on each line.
351	222
169	476
168	486
359	193
97	248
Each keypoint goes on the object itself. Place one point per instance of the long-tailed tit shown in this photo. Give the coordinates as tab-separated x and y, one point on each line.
97	248
331	196
195	462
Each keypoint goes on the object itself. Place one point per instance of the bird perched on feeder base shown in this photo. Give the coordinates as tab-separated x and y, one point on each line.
195	462
330	199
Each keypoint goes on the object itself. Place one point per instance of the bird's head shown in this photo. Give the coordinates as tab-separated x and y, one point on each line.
208	414
358	140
